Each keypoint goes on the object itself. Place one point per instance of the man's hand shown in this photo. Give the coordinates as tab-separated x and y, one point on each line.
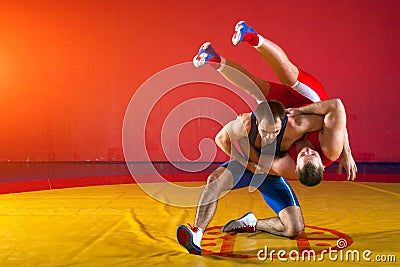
293	112
347	162
251	166
256	168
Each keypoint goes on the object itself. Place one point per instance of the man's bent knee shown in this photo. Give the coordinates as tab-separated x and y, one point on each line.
295	230
212	178
292	221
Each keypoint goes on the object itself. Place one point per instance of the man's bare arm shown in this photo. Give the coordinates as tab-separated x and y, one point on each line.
249	150
347	161
318	108
334	124
285	166
232	131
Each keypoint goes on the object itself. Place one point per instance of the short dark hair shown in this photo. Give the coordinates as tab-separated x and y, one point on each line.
310	175
266	108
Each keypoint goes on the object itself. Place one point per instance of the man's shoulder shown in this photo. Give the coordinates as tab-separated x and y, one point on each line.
245	118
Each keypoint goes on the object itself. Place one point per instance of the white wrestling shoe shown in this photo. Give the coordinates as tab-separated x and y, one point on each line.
190	238
247	223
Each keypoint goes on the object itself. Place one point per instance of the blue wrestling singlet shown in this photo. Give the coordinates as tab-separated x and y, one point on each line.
275	190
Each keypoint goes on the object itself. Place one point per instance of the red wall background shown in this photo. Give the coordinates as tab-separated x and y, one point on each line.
68	69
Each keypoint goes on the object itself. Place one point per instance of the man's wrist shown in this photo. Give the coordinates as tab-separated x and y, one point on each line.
243	161
346	152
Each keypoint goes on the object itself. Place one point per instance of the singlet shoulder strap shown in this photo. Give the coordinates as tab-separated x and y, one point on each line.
279	138
253	129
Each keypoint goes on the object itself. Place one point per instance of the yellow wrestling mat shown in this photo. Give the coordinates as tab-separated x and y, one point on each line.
120	225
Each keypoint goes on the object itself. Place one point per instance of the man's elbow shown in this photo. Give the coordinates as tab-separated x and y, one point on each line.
221	139
338	109
337	104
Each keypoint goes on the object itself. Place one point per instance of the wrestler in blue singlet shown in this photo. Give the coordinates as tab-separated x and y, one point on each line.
275	190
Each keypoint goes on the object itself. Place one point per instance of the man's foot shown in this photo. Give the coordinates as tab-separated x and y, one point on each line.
247	223
244	32
206	54
189	238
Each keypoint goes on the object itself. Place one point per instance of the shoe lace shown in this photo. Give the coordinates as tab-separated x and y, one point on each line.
246	228
194	229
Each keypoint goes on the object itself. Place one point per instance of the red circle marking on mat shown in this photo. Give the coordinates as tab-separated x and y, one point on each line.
225	242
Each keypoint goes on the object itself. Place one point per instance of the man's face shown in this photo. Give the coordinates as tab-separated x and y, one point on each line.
268	132
307	154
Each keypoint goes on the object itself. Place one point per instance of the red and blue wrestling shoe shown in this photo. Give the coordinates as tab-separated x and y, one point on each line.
206	54
190	238
243	32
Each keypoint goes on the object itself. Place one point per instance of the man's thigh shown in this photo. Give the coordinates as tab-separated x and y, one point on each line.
278	194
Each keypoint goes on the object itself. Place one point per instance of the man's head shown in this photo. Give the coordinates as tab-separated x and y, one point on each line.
309	167
269	115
